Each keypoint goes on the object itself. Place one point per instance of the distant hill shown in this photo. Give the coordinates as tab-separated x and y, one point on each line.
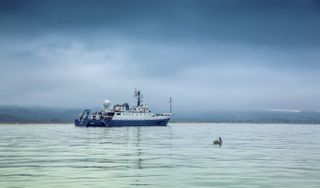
38	114
263	116
18	114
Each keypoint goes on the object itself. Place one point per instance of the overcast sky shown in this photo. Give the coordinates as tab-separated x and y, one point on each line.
206	54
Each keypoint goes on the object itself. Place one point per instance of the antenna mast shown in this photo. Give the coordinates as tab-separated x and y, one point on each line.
138	95
170	101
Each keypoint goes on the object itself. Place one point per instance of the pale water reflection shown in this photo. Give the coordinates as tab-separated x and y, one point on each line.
179	155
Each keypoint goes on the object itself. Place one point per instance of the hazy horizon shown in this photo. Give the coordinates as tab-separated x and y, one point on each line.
206	55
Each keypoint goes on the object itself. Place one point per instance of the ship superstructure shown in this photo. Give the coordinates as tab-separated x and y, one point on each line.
123	115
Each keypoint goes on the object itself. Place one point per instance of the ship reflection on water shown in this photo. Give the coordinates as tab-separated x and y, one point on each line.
145	162
139	150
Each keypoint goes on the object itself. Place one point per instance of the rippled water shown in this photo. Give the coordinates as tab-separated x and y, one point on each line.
179	155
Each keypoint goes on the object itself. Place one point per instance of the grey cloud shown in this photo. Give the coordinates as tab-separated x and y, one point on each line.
205	54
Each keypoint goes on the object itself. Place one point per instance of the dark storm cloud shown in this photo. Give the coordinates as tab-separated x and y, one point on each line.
233	54
263	22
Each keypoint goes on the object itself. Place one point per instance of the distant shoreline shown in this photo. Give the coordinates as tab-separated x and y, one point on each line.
50	115
188	122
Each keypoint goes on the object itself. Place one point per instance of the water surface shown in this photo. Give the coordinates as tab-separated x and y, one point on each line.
179	155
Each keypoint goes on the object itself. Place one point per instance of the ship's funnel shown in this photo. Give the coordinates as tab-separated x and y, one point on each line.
106	104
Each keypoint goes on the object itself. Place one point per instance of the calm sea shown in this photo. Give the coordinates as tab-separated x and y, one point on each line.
179	155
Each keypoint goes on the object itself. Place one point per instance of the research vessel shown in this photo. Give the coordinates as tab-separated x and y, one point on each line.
123	115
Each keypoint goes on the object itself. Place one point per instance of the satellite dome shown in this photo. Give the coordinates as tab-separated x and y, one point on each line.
106	104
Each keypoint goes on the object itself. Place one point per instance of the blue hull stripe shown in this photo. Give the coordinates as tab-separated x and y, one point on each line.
119	123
